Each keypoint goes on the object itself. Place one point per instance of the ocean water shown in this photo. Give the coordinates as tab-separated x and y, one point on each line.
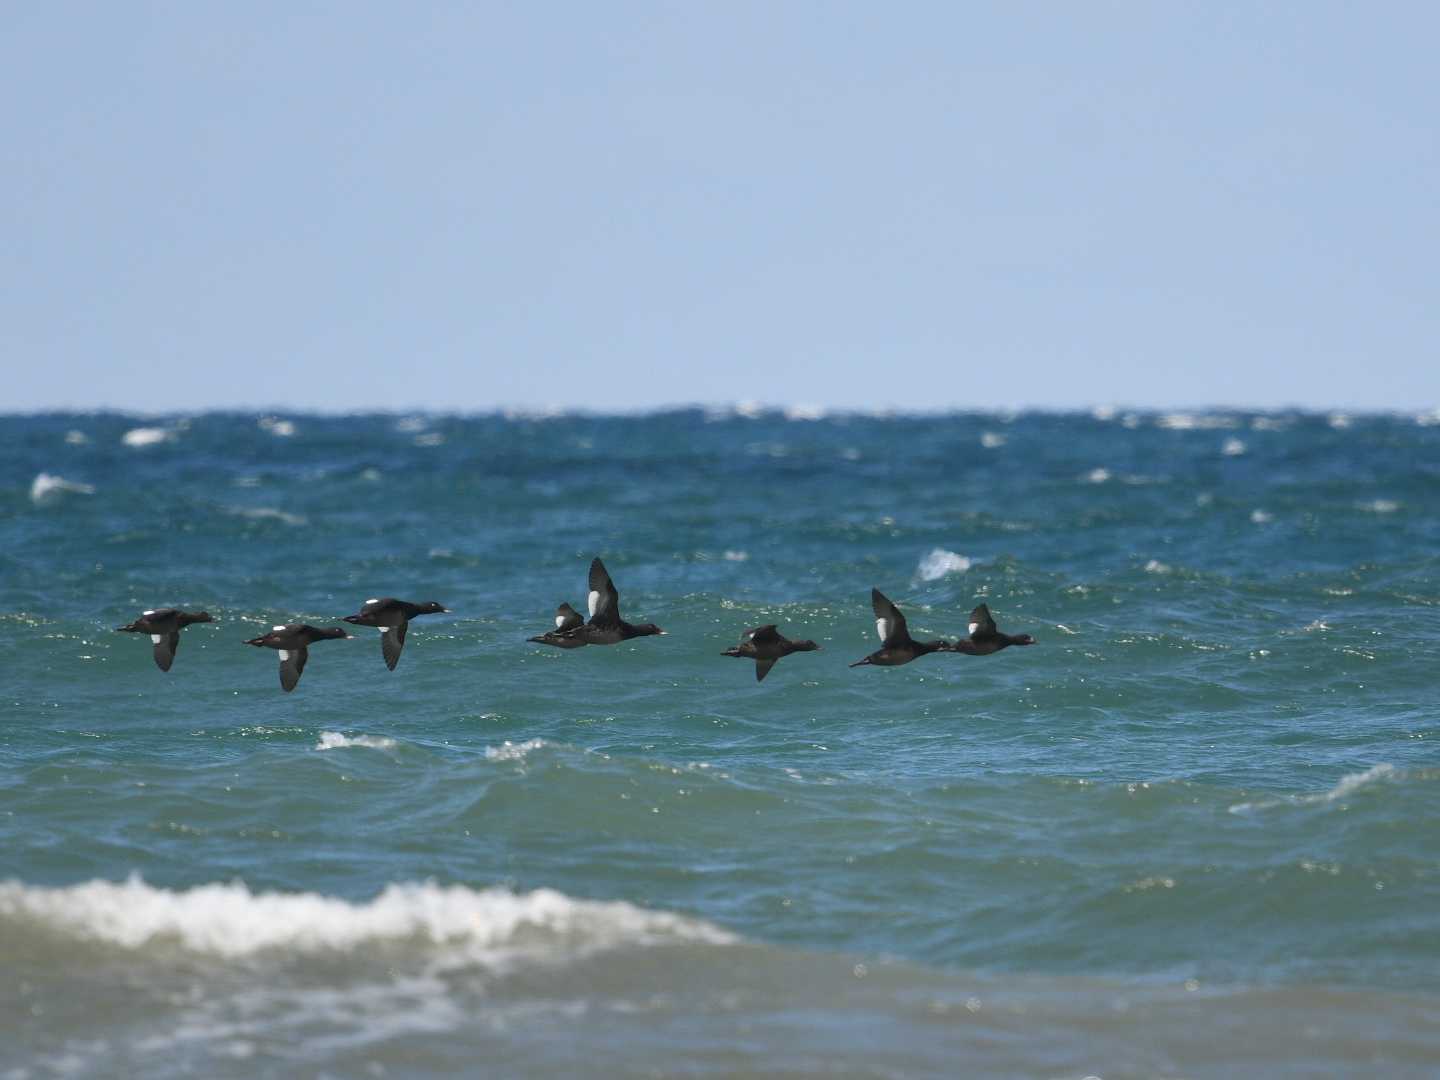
1194	832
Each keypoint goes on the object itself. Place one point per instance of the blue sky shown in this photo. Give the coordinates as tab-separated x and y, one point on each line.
626	206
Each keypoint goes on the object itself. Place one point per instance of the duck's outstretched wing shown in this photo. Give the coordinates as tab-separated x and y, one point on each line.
604	600
888	621
392	640
567	618
165	648
292	664
762	668
980	621
762	633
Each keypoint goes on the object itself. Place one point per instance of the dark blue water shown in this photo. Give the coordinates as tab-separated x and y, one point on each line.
1209	793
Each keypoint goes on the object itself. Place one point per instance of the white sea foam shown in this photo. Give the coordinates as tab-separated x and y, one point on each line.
261	512
991	440
1233	448
331	740
44	484
1380	506
804	412
1096	476
230	921
1260	517
144	436
508	751
1347	785
1352	782
1189	421
940	562
283	428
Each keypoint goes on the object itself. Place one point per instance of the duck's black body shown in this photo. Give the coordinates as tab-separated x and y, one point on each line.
767	645
896	645
292	641
984	639
605	626
164	626
391	617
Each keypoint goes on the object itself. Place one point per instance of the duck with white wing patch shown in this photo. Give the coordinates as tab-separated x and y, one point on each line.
392	618
605	626
164	626
292	641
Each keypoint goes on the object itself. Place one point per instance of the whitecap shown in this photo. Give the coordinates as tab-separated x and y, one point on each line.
508	751
750	410
430	438
736	556
1260	517
1340	420
330	740
1380	506
76	438
411	425
260	512
1347	785
1155	566
940	562
1233	448
230	921
44	484
283	428
992	440
144	436
1096	476
1104	413
1352	782
804	412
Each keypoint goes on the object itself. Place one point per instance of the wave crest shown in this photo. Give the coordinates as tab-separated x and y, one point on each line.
230	921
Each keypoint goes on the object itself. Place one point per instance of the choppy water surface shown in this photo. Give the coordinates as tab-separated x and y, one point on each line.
1194	832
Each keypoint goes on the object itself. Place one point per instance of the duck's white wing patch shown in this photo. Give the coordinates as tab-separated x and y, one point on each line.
594	602
155	638
284	654
560	619
884	627
383	629
372	601
277	628
151	612
973	627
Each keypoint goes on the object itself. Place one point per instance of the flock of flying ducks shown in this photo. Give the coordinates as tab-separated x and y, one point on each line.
765	644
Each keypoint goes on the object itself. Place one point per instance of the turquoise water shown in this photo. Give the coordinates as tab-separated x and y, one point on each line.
1195	831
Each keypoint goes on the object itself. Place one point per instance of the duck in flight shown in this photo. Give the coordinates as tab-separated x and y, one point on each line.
292	641
605	626
767	645
984	639
164	626
392	617
896	645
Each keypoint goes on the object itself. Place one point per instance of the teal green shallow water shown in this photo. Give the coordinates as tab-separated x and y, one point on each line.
1194	832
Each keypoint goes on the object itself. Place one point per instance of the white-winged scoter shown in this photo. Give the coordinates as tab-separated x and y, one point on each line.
391	617
292	641
767	645
896	645
984	639
164	626
605	626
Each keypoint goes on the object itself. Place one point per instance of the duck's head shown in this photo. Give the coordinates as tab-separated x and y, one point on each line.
431	607
648	629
